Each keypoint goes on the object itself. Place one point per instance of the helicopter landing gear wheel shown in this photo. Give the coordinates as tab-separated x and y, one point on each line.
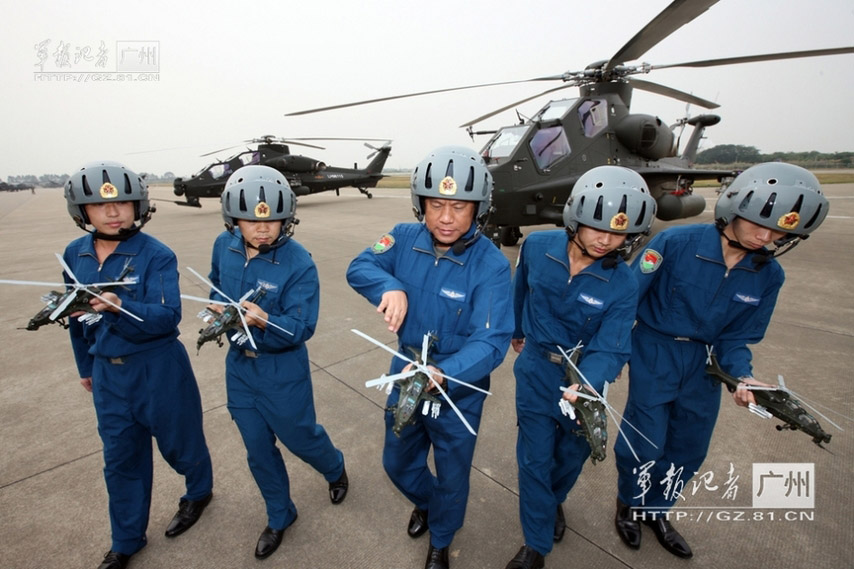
366	192
509	235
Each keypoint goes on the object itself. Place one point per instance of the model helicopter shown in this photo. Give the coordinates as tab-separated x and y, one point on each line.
60	305
414	384
776	402
590	409
536	163
230	319
305	175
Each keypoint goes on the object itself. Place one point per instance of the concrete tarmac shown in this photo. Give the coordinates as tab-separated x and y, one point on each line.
53	503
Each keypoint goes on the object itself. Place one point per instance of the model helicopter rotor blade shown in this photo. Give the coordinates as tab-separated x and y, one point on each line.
33	283
756	58
676	15
113	304
67	269
516	103
454	407
659	89
382	380
241	310
383	346
203	299
460	381
608	407
210	284
69	298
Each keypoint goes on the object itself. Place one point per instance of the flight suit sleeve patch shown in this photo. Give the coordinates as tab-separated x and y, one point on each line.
650	261
383	244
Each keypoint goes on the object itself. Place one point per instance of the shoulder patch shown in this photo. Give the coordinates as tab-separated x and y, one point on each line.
383	244
650	260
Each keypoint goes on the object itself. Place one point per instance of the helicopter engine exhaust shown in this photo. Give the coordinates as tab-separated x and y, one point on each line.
672	206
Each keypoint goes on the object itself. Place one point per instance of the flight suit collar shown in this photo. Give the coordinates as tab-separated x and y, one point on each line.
710	249
557	251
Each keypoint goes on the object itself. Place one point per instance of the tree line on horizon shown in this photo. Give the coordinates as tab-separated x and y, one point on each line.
739	154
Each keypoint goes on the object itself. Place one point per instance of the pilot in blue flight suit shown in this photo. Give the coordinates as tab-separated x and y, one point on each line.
269	389
702	285
138	372
570	286
441	276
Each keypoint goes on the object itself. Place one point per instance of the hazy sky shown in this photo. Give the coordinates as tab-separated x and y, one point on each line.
229	71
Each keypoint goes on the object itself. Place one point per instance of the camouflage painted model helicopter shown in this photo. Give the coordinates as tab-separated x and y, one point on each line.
536	163
591	409
414	385
230	319
305	175
75	298
779	402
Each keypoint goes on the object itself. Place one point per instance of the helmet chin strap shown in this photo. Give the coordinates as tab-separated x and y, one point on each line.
609	260
760	256
123	235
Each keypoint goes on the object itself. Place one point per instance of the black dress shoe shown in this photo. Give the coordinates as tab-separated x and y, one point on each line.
417	523
114	560
627	527
189	512
437	558
669	538
338	489
560	524
268	542
527	558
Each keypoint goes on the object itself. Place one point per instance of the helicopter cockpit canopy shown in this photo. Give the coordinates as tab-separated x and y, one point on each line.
548	144
219	170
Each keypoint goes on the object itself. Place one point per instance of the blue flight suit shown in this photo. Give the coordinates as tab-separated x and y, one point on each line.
688	299
269	390
596	307
465	300
142	382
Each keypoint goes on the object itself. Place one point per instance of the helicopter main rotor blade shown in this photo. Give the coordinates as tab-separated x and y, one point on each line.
220	150
511	105
672	93
291	142
407	95
755	58
676	15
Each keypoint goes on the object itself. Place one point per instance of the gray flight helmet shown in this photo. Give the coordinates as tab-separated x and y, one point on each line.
258	193
610	198
775	195
453	173
102	182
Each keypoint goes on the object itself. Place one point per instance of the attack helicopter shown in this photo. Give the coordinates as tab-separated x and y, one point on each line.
414	385
305	175
536	162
